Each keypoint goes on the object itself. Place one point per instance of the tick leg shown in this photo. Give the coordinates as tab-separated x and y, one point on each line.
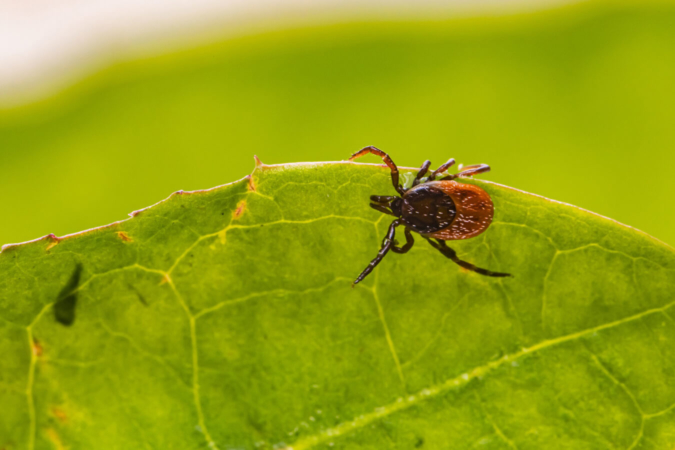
382	199
423	171
450	253
387	160
409	241
386	246
469	171
443	168
381	208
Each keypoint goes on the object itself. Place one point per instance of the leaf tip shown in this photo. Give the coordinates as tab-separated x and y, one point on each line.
258	163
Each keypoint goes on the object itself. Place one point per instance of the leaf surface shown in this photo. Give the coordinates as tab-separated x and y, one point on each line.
225	318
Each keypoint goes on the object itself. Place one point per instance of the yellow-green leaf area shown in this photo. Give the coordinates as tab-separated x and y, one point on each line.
226	319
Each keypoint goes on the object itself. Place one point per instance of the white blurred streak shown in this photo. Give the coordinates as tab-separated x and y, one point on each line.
46	45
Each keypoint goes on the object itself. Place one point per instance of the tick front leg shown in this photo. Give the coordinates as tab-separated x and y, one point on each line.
381	203
423	171
382	199
381	208
450	253
442	169
387	160
469	171
387	244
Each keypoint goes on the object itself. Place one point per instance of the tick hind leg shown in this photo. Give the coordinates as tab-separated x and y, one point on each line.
450	253
387	245
387	160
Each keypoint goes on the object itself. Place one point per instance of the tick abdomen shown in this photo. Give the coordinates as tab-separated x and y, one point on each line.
473	206
447	210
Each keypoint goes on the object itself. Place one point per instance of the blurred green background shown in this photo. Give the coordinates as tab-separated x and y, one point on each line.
576	104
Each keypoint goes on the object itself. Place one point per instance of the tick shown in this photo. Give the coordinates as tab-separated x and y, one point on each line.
438	210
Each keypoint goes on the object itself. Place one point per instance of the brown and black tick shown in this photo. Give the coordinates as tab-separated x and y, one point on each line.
438	210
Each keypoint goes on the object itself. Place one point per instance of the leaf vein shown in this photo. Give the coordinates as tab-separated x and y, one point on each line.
263	293
494	425
627	391
224	231
660	413
387	334
195	366
141	350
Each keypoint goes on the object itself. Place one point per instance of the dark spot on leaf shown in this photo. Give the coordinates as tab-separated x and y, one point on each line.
419	443
64	308
138	294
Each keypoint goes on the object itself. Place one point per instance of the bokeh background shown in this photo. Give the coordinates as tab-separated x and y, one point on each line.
575	102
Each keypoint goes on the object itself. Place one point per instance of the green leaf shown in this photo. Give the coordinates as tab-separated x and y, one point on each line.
225	318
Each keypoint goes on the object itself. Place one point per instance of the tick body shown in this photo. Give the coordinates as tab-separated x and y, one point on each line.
438	210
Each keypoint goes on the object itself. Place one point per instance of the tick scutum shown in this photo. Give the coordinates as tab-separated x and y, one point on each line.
427	210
